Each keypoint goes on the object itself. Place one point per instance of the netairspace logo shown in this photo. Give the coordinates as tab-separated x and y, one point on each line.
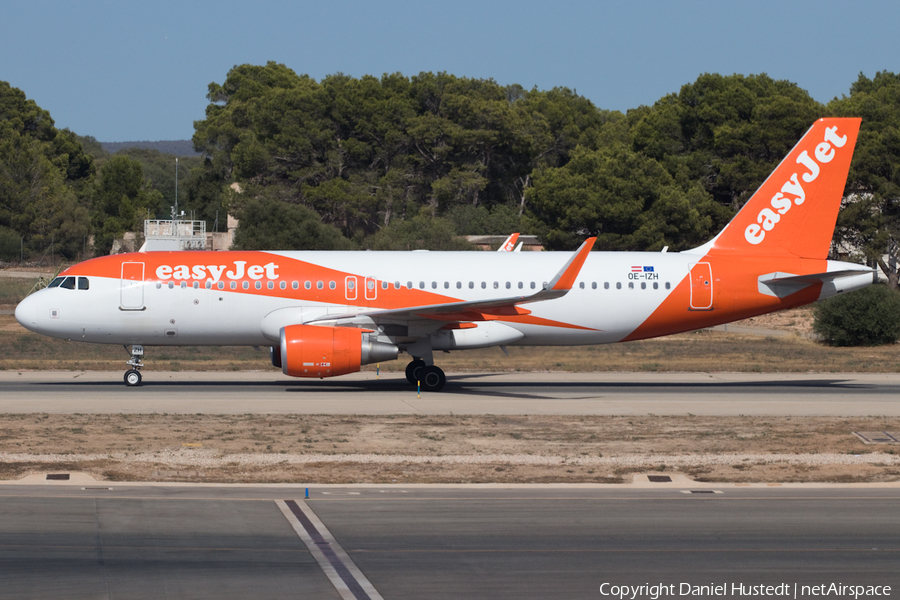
736	590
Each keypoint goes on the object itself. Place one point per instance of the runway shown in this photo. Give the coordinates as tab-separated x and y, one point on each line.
708	394
152	541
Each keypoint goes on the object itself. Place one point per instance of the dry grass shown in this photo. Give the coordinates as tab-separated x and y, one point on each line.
570	437
703	350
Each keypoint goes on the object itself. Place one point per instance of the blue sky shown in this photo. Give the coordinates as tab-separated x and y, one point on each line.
127	71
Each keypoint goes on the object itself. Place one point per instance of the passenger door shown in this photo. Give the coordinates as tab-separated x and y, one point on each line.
132	286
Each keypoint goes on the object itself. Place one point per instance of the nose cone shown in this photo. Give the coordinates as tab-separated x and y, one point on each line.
26	313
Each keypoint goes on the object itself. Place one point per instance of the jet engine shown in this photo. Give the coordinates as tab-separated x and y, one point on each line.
313	351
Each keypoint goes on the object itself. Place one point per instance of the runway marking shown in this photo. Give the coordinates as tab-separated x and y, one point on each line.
343	573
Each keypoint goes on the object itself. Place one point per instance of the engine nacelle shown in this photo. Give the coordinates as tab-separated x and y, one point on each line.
313	351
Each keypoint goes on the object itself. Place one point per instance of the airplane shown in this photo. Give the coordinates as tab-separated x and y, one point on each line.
325	314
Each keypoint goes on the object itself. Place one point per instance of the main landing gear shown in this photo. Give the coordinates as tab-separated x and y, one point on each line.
430	377
133	375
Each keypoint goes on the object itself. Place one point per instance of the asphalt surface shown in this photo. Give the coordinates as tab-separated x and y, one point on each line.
725	394
150	541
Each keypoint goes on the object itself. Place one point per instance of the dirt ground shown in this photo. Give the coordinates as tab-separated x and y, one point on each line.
442	449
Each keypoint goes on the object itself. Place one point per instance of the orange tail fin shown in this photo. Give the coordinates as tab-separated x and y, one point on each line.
794	211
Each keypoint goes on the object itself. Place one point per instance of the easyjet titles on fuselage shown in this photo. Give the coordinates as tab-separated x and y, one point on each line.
239	270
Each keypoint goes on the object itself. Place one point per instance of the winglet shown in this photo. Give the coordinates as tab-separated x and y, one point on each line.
566	277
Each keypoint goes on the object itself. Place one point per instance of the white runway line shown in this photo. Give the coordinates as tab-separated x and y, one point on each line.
343	573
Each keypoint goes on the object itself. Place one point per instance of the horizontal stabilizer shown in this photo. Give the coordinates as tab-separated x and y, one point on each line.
781	285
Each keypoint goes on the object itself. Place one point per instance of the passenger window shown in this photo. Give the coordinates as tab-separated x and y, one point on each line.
208	284
618	285
508	285
295	285
320	285
271	285
409	285
668	285
471	285
594	285
630	285
221	285
532	285
446	285
245	285
258	285
384	285
172	285
581	285
351	285
307	285
643	285
83	283
459	285
421	285
655	285
196	285
605	285
56	282
283	285
496	285
521	285
331	285
484	285
434	285
233	285
396	285
183	284
68	283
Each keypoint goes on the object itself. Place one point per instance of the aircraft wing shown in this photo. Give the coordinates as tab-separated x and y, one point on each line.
481	310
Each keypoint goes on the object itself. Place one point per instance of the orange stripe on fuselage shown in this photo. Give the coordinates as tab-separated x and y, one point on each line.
286	269
736	295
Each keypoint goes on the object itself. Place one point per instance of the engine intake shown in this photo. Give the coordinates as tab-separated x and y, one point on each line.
313	351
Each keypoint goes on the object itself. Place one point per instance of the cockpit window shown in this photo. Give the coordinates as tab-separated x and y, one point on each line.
68	283
84	283
56	282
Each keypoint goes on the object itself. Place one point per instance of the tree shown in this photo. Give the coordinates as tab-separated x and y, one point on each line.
422	232
870	219
629	201
43	175
867	317
269	222
121	199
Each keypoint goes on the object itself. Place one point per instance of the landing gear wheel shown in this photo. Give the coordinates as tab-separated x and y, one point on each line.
132	378
412	371
433	378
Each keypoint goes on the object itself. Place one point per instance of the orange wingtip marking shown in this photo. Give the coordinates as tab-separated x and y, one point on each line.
567	280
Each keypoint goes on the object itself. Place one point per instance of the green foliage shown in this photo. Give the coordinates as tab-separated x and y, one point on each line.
10	244
421	232
871	220
43	173
725	132
867	317
159	170
629	201
121	199
270	222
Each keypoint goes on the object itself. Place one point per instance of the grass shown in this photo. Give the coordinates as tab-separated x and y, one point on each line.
698	351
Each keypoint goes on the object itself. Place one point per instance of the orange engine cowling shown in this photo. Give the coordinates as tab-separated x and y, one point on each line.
313	351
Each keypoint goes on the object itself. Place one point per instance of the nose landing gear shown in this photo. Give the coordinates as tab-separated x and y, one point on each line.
133	375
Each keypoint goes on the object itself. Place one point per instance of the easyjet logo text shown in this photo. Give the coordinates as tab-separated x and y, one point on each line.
792	192
237	270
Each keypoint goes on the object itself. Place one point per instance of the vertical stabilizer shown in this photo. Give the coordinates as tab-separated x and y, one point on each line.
794	212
